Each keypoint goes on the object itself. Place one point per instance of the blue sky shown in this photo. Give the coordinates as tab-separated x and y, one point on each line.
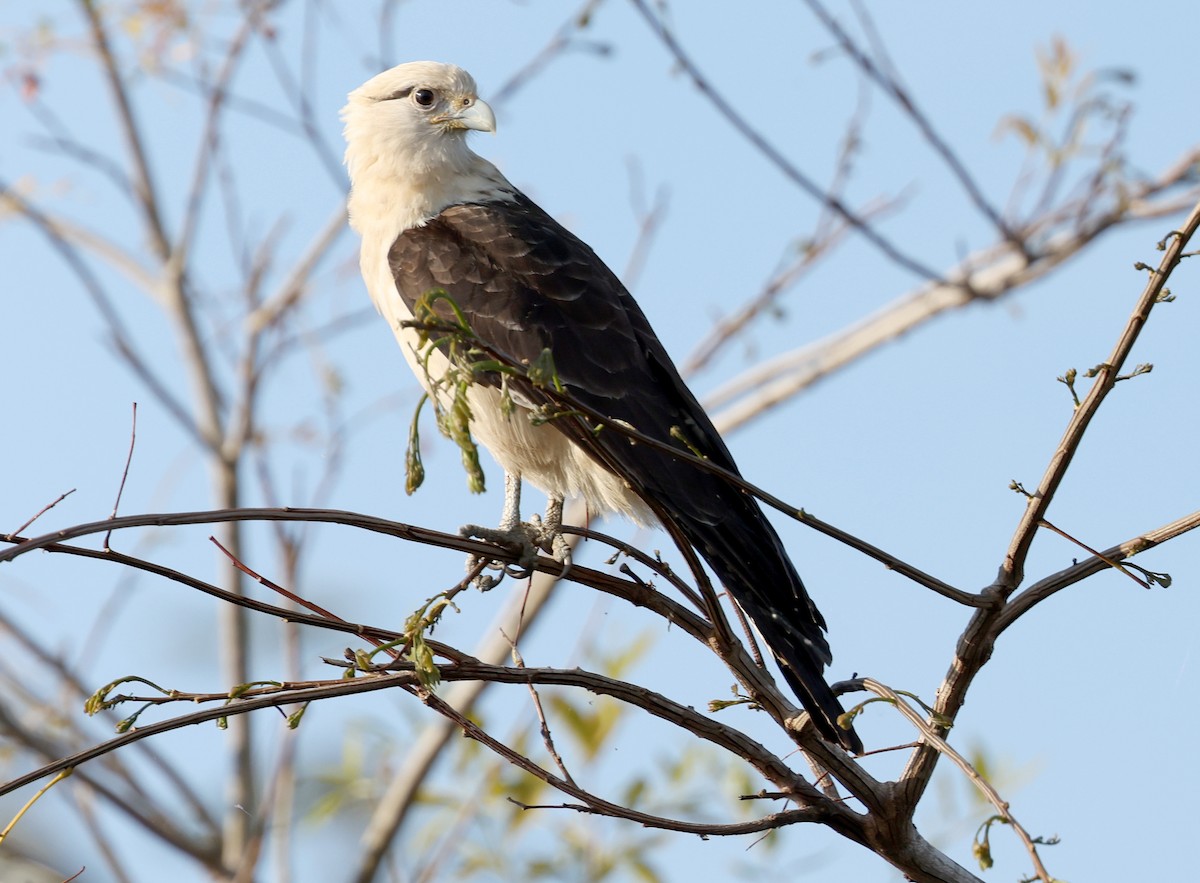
912	447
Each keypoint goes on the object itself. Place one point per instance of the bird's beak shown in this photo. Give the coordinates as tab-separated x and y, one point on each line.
477	115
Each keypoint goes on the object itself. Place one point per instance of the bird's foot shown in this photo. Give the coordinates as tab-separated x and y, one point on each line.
529	537
549	538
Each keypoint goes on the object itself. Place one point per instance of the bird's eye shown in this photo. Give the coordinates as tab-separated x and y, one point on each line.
424	97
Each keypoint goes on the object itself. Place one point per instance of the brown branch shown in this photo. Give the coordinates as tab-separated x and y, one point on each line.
774	769
1024	601
821	810
42	511
121	338
976	644
1013	569
632	591
236	707
930	737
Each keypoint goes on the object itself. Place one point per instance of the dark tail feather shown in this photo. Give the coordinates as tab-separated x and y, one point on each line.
822	706
769	590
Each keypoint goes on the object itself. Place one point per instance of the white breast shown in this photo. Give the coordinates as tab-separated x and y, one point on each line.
537	452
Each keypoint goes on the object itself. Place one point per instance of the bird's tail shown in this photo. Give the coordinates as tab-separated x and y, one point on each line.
771	593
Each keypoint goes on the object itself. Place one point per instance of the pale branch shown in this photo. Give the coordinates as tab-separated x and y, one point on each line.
143	178
560	41
85	807
829	231
174	286
930	737
728	327
393	807
985	275
260	111
135	808
71	686
75	235
790	171
269	312
209	144
61	141
1022	602
1013	569
313	132
306	693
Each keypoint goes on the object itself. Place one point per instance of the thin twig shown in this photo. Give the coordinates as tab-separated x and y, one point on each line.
124	473
1114	564
781	162
892	88
40	512
1026	599
543	725
929	736
987	274
977	641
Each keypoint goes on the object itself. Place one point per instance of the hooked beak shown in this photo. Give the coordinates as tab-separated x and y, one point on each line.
469	113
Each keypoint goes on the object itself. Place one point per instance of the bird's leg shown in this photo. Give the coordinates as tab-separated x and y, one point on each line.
511	532
510	517
528	535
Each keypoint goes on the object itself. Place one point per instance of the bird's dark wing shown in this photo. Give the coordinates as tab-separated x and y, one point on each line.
526	284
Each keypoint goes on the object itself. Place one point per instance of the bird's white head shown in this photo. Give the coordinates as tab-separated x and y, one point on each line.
406	128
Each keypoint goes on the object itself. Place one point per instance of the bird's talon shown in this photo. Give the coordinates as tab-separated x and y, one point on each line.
561	550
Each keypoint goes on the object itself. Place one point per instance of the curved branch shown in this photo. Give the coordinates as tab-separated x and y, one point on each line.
930	737
1024	601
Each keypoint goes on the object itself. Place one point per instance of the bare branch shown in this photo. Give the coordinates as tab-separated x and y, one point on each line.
781	162
1025	600
892	87
986	275
1013	569
930	737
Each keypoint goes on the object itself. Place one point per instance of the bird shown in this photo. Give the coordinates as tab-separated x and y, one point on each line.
434	216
